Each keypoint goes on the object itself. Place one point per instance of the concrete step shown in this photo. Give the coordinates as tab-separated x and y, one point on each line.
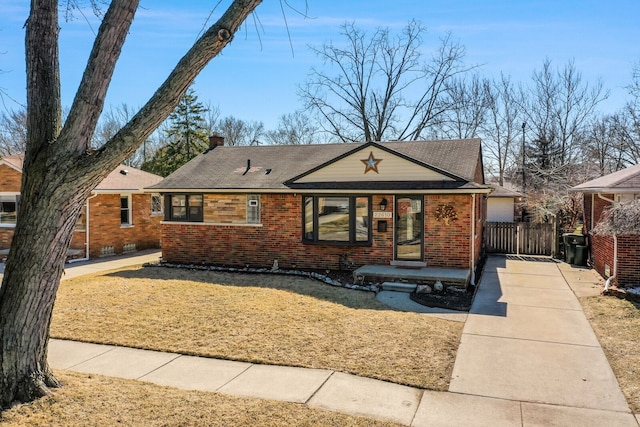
399	287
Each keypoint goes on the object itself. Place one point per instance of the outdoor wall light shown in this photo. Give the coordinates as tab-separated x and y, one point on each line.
383	204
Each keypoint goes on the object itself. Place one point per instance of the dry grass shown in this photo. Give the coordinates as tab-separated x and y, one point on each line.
91	400
616	322
258	318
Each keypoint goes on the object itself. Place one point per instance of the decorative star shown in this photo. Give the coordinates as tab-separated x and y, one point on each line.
371	164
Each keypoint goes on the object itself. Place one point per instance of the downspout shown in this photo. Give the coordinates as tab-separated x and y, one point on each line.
615	252
86	244
593	209
473	240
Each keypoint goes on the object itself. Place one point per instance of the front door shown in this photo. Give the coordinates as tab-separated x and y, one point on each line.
409	228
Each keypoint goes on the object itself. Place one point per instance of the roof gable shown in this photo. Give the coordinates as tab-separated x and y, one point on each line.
372	162
14	161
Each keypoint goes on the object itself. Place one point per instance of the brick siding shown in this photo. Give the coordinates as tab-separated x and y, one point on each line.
602	247
225	208
105	228
280	237
11	181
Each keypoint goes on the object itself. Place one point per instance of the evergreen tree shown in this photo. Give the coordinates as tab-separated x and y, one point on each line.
188	135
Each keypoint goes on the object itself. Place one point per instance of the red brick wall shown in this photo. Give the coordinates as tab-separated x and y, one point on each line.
104	220
280	237
602	247
628	261
105	228
6	235
10	183
448	245
11	179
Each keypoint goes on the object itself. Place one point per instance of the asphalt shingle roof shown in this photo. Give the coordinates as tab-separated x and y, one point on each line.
126	178
500	191
625	180
133	180
223	166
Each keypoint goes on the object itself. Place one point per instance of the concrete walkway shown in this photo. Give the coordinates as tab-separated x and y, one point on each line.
528	357
80	268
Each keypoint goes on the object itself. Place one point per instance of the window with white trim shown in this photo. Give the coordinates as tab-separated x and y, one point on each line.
125	210
9	209
156	204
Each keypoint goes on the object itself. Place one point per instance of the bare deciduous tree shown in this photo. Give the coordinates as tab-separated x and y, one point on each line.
111	122
379	87
605	146
239	132
13	132
502	129
469	107
61	169
293	129
557	107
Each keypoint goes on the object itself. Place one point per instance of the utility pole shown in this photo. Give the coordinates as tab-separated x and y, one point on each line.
524	182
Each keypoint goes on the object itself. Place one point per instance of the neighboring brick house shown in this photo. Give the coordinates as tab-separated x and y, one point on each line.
119	216
599	194
327	206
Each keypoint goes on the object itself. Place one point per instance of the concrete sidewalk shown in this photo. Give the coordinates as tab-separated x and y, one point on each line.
75	269
528	357
80	268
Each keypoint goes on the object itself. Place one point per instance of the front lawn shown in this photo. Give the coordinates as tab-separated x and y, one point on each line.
94	400
268	319
616	322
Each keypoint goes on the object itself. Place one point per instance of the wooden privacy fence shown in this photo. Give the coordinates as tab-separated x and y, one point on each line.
520	238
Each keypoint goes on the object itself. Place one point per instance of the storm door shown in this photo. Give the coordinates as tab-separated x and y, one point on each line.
409	228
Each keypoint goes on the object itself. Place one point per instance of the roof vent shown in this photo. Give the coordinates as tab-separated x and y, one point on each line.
267	171
124	171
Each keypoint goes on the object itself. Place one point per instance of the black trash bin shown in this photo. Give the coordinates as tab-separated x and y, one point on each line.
581	255
571	242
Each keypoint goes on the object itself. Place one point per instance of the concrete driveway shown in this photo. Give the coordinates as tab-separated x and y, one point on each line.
527	339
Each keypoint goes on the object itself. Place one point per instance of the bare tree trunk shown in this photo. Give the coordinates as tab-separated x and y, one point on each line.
31	281
60	171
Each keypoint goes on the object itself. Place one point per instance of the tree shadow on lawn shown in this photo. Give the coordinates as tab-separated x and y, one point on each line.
351	298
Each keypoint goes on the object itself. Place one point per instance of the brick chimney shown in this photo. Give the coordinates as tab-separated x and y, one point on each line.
216	140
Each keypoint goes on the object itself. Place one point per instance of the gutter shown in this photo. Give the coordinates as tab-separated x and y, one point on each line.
260	190
615	252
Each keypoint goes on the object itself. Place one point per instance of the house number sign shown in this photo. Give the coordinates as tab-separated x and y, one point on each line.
383	214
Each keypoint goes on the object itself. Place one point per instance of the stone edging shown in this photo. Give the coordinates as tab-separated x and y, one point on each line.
308	274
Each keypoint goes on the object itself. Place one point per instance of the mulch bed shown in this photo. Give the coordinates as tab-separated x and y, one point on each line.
460	301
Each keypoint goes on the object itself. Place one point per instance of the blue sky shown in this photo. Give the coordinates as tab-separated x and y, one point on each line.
256	77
